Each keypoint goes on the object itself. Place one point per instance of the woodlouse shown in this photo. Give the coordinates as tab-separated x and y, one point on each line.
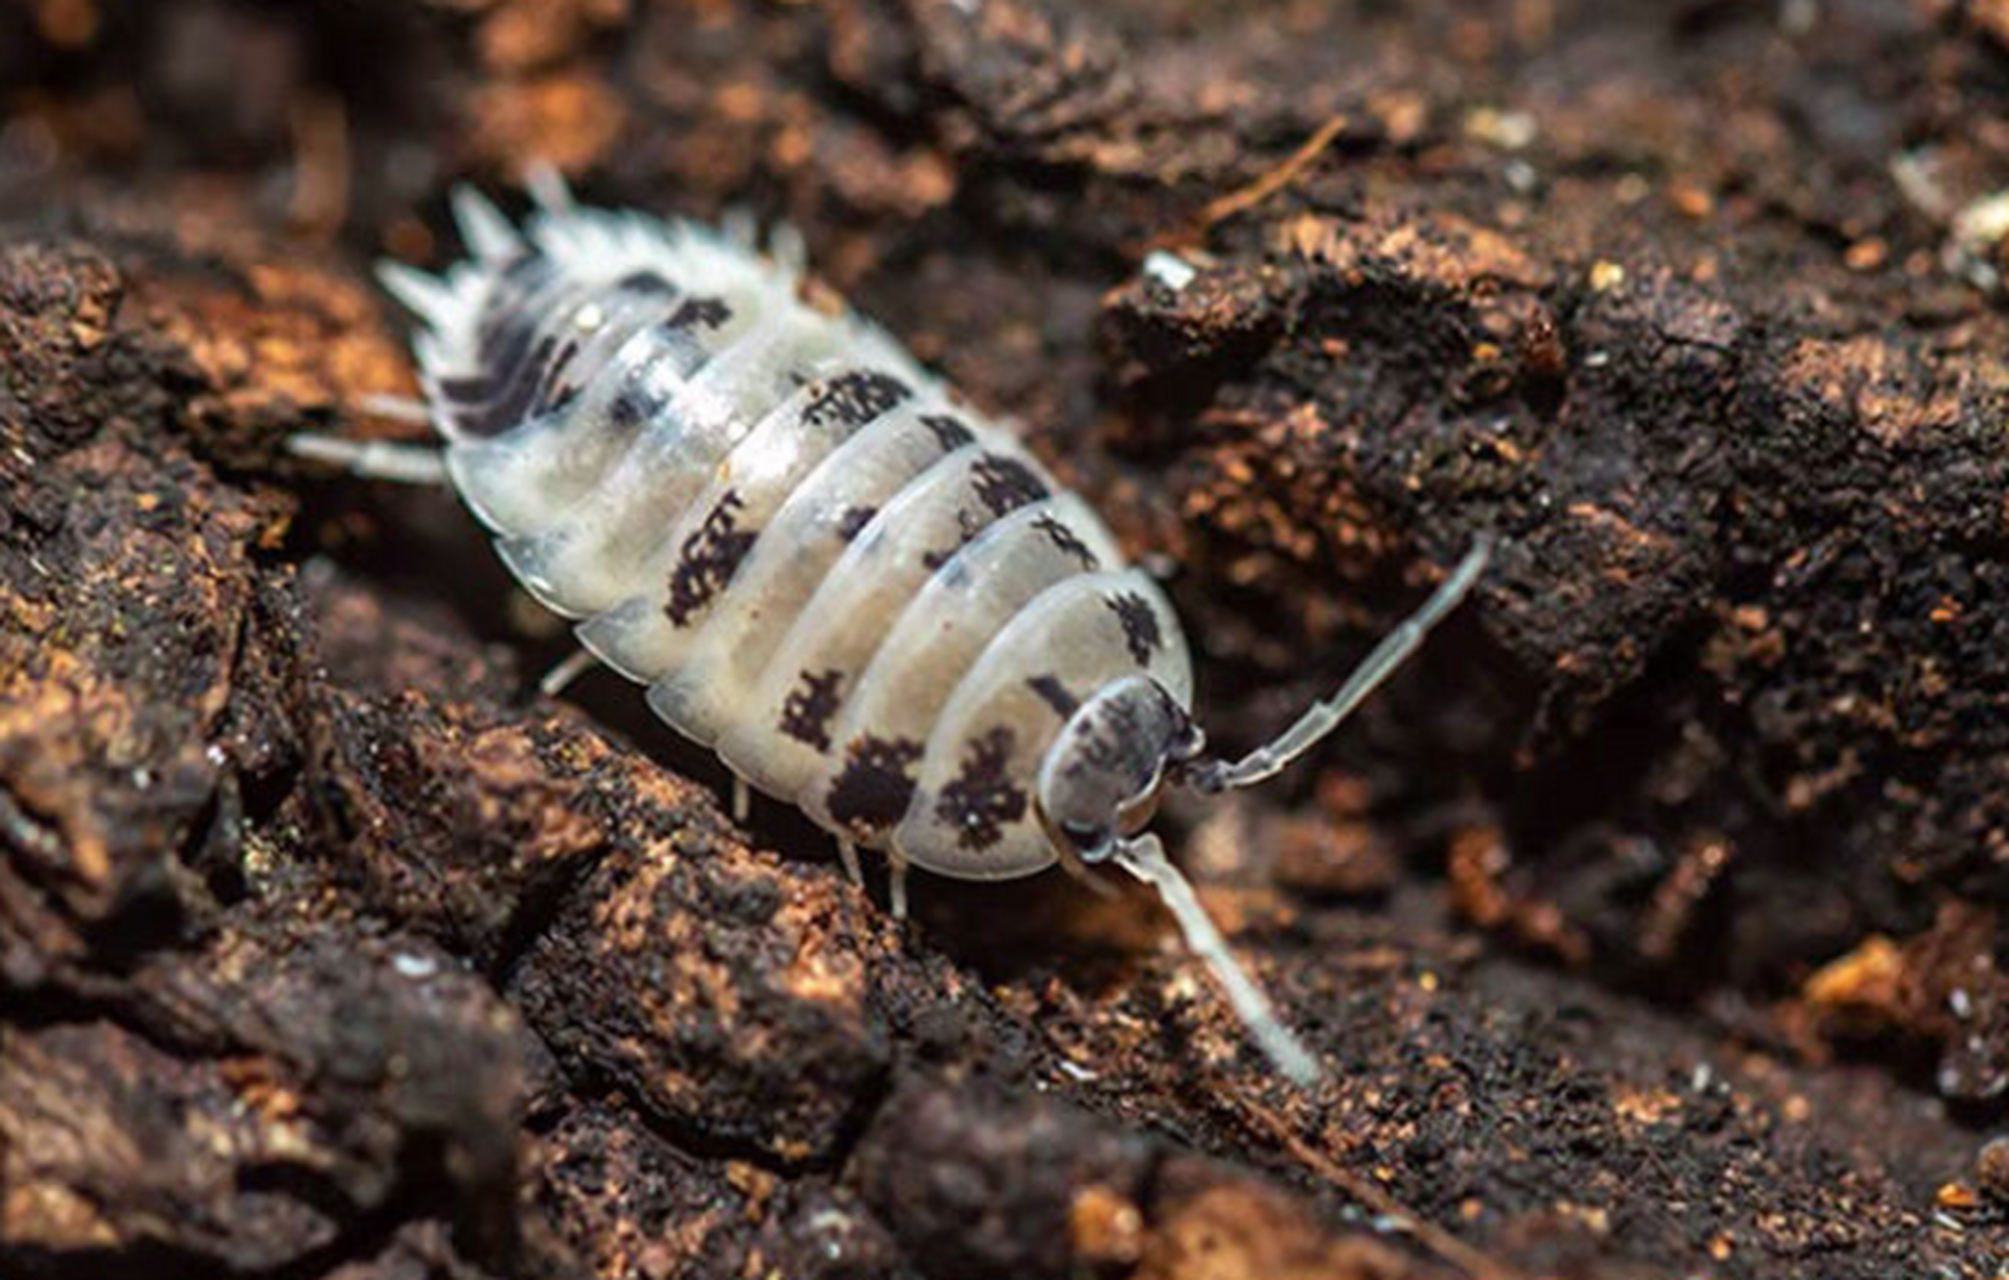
868	601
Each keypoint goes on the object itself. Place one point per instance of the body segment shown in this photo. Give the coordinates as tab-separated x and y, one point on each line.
767	513
870	602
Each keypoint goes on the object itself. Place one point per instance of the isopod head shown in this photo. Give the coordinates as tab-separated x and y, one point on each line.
1101	778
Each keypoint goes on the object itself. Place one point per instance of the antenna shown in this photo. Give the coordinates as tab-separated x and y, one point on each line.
1144	857
1322	718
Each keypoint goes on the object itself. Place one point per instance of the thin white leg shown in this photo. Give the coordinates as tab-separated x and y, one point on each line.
847	853
560	677
742	799
407	409
374	459
1144	857
896	883
1395	648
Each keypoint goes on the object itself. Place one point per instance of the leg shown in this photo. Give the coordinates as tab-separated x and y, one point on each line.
1266	761
560	677
1145	858
374	459
406	409
847	853
742	799
896	883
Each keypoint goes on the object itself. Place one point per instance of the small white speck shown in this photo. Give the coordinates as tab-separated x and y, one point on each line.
1701	1078
1169	269
589	318
414	966
1076	1072
1597	359
1960	1003
216	755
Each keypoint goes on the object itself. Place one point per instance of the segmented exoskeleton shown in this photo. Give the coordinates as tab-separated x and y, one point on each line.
872	603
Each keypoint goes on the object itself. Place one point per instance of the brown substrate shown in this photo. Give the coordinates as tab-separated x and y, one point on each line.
1648	926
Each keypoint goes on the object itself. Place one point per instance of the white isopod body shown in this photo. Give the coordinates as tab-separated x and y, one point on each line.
869	601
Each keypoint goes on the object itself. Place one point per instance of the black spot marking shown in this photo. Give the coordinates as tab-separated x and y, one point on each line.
699	313
1140	625
646	283
1065	539
853	521
950	433
982	801
854	399
873	791
471	388
632	405
1054	694
805	715
518	391
708	558
1005	484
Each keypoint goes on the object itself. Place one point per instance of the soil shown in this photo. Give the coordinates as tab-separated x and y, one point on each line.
1649	925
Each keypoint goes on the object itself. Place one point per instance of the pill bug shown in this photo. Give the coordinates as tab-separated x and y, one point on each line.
867	600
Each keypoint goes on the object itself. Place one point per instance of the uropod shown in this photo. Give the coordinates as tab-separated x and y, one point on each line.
868	601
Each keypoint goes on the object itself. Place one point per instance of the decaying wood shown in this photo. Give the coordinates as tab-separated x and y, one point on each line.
1650	927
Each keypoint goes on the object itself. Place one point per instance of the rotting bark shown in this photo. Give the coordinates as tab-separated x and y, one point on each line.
1650	927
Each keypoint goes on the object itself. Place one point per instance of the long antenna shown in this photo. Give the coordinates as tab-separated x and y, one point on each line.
1382	662
1144	857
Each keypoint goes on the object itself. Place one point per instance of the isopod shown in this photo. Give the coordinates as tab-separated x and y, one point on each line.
867	600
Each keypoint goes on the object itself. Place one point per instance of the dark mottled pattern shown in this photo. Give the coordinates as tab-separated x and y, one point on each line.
1054	694
949	432
645	283
854	399
633	404
982	800
1140	625
1005	484
1066	540
708	559
853	521
522	359
699	313
877	783
805	715
1111	740
514	390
